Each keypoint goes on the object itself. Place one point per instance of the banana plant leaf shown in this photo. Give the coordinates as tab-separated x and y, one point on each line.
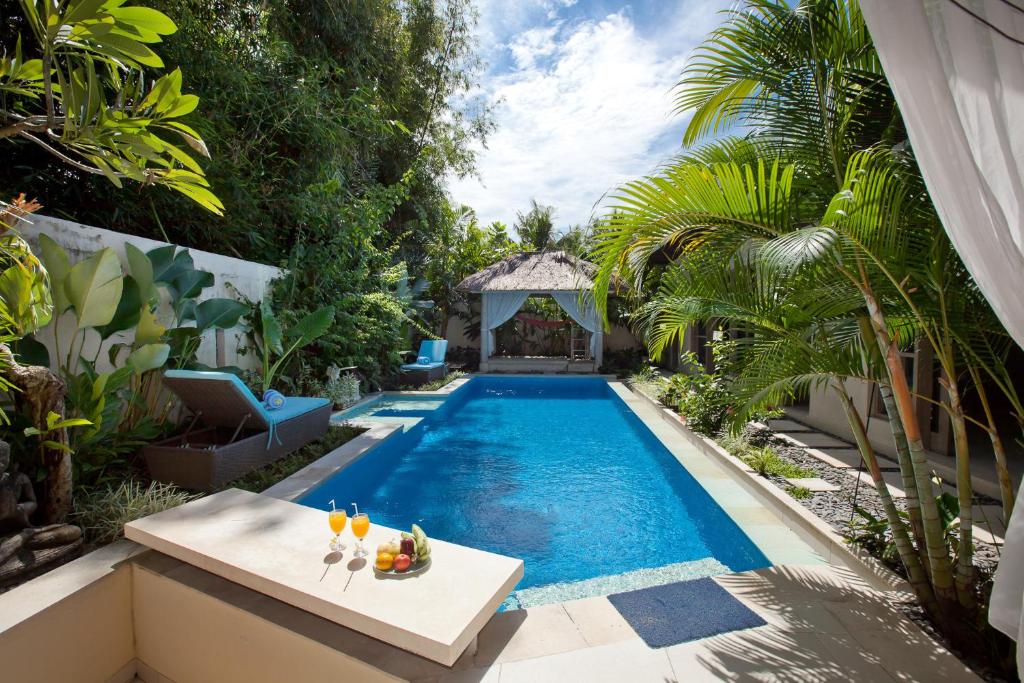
169	263
189	283
129	310
148	357
312	326
142	270
94	288
273	337
149	329
58	266
220	314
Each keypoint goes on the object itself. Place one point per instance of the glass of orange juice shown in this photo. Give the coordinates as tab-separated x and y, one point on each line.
360	527
336	518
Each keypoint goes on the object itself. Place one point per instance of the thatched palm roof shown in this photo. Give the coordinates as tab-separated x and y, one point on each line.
533	271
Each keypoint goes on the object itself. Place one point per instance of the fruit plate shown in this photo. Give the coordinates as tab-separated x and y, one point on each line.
417	568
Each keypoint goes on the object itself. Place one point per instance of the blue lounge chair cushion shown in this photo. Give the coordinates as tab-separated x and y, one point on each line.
434	349
431	355
293	407
421	366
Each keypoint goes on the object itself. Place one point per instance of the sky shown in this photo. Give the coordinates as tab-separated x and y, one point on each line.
582	96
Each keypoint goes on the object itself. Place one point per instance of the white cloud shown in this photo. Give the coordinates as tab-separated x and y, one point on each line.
583	107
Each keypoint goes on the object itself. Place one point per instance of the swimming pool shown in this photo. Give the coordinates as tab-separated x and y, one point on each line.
557	471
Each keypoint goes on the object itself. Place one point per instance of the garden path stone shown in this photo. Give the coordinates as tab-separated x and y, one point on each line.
788	426
813	484
840	458
813	440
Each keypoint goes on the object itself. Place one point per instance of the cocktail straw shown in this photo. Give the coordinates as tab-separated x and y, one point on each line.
356	507
332	505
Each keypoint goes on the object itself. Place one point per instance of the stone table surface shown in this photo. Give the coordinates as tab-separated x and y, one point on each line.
281	549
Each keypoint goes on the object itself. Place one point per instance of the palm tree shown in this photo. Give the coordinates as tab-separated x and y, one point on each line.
816	235
536	228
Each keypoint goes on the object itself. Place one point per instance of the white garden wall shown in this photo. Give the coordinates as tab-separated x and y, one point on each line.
231	275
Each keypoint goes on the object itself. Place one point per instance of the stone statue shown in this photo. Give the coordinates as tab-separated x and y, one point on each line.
17	498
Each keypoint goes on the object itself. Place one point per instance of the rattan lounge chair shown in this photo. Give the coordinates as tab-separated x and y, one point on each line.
231	432
430	363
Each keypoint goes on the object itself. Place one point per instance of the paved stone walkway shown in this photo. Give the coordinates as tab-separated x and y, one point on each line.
824	624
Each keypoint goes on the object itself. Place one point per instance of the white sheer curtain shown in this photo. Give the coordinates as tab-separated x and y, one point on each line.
960	88
497	308
959	82
585	316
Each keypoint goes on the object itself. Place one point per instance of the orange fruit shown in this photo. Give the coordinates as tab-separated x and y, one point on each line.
385	561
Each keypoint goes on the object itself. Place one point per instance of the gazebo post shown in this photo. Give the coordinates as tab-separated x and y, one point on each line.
485	337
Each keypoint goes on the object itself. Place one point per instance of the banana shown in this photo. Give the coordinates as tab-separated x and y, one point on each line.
422	543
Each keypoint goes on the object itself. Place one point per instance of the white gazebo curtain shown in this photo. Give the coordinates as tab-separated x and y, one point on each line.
584	312
496	308
957	70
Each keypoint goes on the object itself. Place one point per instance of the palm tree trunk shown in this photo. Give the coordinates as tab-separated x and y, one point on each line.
917	576
938	557
899	437
1006	492
964	493
912	499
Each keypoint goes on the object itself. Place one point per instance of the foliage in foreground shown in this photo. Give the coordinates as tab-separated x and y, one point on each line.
73	84
102	513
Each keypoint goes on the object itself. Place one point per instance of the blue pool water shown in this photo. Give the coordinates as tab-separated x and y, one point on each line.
556	471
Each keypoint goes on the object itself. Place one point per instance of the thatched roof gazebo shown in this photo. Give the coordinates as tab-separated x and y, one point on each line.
506	285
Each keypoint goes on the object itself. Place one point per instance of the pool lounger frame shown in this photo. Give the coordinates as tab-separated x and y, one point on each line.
236	438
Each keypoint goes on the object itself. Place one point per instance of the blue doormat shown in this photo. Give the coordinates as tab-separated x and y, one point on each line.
684	611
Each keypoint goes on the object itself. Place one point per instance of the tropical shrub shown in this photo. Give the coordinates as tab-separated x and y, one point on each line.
799	492
156	303
767	462
274	345
700	397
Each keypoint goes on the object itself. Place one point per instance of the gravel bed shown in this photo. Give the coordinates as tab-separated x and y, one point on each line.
837	507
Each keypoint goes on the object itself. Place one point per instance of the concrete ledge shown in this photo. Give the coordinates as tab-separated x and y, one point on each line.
797	517
73	623
278	549
32	597
313	474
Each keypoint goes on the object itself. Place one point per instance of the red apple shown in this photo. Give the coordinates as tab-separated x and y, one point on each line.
408	547
402	562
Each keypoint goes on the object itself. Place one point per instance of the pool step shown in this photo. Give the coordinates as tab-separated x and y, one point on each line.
615	583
